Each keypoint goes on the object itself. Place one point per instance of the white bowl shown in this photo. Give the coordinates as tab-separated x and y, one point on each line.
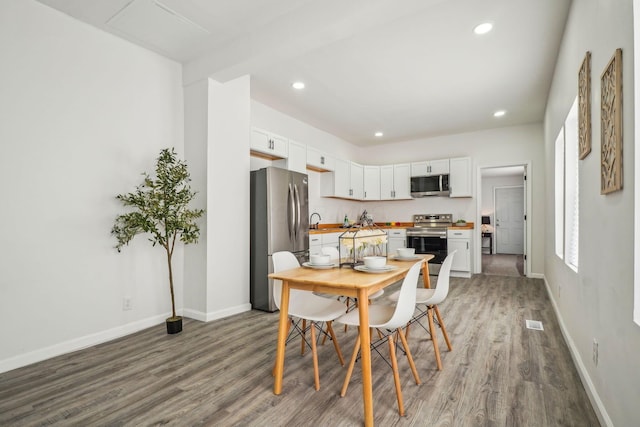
319	259
375	262
406	252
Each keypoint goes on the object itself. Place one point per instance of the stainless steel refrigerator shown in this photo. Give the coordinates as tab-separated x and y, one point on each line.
279	222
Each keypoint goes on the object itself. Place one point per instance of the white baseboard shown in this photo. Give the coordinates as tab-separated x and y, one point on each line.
536	276
594	397
79	343
214	315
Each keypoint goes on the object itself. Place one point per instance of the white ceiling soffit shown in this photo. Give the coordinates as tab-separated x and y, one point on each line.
153	23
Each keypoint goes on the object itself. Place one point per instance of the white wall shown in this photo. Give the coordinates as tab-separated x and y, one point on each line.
597	302
83	115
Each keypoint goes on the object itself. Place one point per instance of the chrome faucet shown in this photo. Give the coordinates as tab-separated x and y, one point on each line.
314	226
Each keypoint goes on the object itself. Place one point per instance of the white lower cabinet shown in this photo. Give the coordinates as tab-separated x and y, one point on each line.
317	241
315	244
397	238
460	241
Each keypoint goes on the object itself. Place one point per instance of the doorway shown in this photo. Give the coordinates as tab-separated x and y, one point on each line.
502	209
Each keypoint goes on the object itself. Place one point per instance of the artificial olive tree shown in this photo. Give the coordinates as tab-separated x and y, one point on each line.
160	209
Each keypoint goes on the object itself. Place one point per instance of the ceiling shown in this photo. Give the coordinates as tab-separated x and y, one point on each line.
410	69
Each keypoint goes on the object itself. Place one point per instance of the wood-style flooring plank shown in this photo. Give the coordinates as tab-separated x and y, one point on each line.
219	373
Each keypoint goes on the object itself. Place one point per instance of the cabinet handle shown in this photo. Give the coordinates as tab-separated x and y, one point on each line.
467	245
322	160
350	192
365	194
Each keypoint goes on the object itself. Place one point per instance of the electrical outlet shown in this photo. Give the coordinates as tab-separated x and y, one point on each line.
595	352
127	304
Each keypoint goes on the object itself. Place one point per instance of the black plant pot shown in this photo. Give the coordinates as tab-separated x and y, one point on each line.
174	325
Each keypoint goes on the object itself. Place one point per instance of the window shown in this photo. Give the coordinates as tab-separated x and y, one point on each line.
567	190
559	196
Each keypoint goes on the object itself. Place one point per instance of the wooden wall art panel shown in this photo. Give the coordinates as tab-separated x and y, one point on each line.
611	125
584	107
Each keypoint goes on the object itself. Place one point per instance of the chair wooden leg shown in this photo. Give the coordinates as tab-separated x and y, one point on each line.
352	363
396	375
409	356
432	331
335	342
444	330
314	352
347	310
303	334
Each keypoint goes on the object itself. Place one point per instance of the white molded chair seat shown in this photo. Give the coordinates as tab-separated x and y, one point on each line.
307	307
431	298
392	319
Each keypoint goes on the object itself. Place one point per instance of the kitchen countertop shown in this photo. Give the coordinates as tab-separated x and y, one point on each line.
337	228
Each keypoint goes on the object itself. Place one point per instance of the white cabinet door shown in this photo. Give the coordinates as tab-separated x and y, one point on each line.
397	239
315	244
438	167
430	167
460	184
319	161
338	182
371	183
460	241
270	144
395	182
330	240
386	182
402	181
296	159
461	260
357	181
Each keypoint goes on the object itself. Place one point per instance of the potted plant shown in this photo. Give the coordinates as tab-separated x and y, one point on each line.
160	208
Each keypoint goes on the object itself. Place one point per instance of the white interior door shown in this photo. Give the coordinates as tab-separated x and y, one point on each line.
509	214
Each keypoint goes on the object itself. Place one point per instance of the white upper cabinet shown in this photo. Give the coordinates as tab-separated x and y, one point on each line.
296	159
268	144
346	181
460	182
319	161
357	181
395	182
371	183
402	181
430	167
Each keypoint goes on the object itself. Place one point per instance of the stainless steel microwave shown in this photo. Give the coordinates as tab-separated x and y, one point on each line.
433	185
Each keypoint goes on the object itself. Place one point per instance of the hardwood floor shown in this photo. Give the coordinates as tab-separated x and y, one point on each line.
219	373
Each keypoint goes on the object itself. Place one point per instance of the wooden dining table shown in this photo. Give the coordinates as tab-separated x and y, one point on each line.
348	282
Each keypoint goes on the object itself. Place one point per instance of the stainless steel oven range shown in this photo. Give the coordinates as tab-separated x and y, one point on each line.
429	235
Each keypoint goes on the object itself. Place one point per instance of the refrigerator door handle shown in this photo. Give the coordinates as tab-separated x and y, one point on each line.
296	226
290	212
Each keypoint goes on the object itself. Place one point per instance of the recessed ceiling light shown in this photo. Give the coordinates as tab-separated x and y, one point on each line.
298	85
378	134
483	28
499	113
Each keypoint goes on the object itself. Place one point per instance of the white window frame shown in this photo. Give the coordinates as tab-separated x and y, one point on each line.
567	197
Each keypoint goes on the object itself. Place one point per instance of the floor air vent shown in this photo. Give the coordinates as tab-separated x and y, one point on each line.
534	324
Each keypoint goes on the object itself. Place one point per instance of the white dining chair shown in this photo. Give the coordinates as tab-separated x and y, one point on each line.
391	320
429	299
305	306
335	255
